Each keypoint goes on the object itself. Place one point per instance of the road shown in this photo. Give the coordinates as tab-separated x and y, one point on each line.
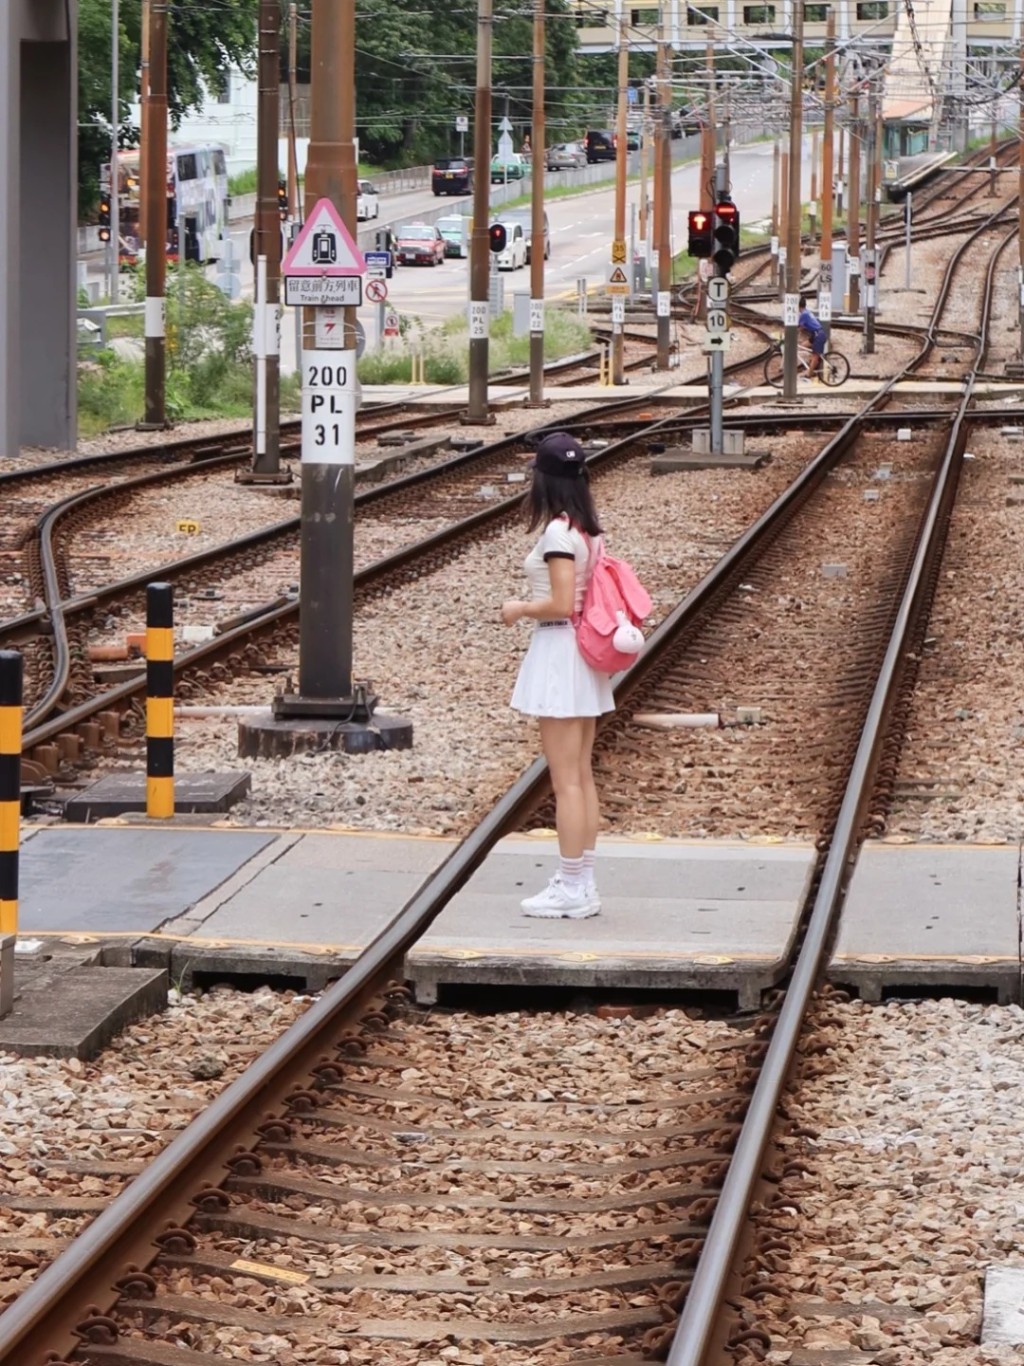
581	228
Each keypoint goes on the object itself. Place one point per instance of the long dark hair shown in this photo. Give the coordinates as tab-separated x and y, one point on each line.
552	495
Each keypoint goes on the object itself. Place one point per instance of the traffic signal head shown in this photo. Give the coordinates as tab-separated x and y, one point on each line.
727	235
497	236
282	199
104	233
700	226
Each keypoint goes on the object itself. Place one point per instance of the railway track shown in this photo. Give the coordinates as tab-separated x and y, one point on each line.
372	1160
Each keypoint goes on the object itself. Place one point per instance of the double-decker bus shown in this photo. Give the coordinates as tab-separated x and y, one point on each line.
197	201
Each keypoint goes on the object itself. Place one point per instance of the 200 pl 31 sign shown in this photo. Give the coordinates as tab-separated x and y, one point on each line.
329	407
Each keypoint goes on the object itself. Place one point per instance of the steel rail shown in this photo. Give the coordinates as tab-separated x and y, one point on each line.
53	596
701	1312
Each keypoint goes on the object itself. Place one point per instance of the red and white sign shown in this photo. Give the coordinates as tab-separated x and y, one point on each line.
324	266
376	291
324	246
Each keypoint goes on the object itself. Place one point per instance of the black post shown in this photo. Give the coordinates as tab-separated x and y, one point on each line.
159	700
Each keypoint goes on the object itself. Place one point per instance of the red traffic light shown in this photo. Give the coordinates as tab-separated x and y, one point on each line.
700	233
727	212
497	236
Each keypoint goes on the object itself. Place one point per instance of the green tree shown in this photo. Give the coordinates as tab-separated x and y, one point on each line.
416	70
206	38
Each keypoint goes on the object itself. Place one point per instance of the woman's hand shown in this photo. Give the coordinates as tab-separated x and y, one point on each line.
512	611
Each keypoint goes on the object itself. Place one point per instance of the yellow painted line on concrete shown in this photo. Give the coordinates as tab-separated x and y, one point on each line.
120	823
913	959
92	937
442	950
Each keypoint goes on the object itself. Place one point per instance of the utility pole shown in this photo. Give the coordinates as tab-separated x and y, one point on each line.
479	250
825	254
992	156
727	131
870	282
663	202
783	221
812	203
707	145
537	238
144	117
266	446
791	311
154	190
293	76
776	160
644	238
115	170
1020	192
326	542
619	243
853	207
839	170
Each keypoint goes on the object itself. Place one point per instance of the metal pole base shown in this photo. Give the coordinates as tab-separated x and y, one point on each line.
467	421
164	426
536	403
359	706
344	725
278	477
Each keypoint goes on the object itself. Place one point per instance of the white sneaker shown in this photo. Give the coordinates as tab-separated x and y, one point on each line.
592	894
557	902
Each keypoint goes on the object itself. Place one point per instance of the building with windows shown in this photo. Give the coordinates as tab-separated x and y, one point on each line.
769	23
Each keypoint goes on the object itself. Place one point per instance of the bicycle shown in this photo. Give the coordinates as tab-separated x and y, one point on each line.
835	368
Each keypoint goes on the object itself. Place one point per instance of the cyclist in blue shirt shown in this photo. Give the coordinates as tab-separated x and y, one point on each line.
816	335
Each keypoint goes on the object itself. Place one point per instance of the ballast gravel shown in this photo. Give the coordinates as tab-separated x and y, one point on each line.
911	1189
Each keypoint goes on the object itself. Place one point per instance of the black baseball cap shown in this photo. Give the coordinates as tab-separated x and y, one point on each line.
560	454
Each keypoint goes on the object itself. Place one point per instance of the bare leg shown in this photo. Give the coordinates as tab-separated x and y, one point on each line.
562	739
590	798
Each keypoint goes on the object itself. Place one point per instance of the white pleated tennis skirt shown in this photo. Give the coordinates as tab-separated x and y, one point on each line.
555	680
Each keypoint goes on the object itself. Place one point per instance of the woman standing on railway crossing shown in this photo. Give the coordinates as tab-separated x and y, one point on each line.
555	682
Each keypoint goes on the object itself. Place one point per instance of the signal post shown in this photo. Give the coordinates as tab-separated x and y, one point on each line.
715	236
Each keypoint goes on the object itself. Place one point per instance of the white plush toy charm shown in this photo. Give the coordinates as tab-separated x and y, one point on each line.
628	639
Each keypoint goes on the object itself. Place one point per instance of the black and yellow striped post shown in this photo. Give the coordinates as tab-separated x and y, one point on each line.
159	700
10	787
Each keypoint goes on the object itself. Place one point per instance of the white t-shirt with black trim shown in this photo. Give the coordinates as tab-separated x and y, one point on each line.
560	540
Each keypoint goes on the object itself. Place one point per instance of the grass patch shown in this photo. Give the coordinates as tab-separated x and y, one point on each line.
446	352
209	362
246	182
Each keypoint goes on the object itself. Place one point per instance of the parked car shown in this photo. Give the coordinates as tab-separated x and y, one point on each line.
514	254
511	167
452	175
455	231
566	156
420	244
600	144
367	202
524	218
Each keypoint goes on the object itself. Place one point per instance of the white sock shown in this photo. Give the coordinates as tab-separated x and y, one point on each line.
570	870
589	859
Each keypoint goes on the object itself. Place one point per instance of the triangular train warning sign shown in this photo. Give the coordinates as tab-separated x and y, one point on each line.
617	277
324	246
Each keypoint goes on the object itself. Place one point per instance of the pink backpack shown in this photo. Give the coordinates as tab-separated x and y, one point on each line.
614	605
